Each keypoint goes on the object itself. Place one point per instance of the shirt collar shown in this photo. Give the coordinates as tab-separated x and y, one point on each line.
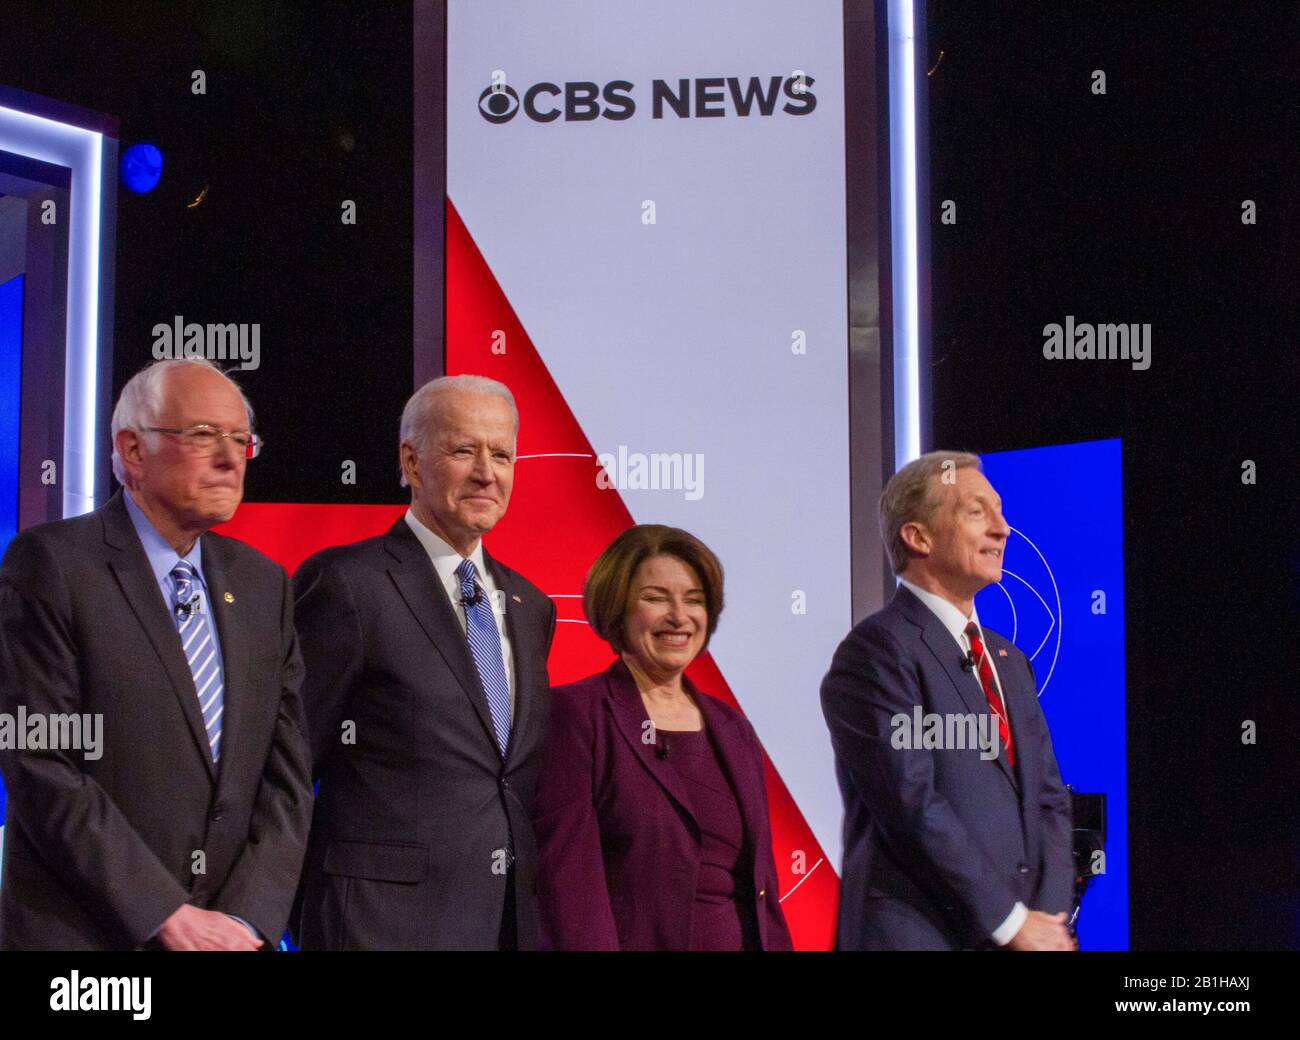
445	559
949	614
162	557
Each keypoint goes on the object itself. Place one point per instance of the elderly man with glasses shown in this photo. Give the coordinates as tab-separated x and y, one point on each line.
186	830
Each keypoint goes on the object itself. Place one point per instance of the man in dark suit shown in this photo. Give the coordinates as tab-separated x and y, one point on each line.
427	700
949	842
186	829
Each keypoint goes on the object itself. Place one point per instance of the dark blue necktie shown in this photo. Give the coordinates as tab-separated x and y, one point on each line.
485	645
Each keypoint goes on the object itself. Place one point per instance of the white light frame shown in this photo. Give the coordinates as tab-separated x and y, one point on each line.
903	225
81	151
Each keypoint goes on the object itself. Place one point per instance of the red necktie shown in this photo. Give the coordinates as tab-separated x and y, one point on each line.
990	690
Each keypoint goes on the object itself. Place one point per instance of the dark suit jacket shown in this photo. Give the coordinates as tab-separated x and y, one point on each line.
99	853
412	811
618	837
939	844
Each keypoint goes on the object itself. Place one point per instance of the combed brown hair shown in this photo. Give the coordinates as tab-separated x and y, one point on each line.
608	588
911	495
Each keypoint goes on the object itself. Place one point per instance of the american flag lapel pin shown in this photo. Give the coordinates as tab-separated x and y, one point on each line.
1001	652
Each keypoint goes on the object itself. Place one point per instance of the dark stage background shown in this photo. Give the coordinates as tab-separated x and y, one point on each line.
307	104
1117	208
1127	208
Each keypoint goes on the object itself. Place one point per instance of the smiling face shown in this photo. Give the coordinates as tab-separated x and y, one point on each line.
462	475
181	490
961	546
667	618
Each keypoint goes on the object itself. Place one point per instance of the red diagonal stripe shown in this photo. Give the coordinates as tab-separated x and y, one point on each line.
558	523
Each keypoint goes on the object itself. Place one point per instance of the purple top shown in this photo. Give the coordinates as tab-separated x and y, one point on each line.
617	831
718	920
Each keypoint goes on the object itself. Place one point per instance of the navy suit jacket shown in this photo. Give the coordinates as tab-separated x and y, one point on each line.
415	800
617	838
939	845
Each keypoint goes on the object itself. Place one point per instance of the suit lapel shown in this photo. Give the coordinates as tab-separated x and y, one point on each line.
948	654
234	635
417	583
634	725
131	568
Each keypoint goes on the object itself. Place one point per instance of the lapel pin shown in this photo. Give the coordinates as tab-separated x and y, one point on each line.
1002	653
515	598
229	597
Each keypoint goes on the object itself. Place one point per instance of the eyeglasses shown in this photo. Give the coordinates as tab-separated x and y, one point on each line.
205	440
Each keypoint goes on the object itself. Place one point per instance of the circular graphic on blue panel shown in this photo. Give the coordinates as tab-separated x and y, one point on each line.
1028	611
141	168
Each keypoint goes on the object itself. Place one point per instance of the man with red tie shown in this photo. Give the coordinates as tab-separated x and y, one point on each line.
945	847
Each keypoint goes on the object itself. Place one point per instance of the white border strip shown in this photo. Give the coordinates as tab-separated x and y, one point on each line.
81	151
902	206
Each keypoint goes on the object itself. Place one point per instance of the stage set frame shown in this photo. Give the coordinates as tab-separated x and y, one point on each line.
886	261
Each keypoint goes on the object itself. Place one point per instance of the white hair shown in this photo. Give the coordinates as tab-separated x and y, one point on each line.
141	401
420	416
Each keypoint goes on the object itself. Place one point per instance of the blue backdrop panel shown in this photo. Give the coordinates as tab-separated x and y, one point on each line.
1064	504
11	370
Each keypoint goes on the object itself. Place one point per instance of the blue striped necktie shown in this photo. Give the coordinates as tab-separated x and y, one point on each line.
200	651
485	645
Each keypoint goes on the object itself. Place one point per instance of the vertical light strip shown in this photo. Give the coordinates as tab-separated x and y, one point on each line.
81	151
902	206
82	372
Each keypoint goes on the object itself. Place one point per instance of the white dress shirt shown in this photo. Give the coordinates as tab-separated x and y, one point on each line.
955	622
445	560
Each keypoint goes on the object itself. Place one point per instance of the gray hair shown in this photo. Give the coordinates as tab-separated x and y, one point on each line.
141	401
911	496
419	417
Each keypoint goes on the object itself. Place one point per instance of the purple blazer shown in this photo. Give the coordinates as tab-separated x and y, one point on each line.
618	845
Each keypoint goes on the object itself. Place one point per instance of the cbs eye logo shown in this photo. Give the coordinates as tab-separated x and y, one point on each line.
498	104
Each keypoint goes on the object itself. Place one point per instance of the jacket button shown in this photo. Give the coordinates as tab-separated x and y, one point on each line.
1023	869
505	783
215	815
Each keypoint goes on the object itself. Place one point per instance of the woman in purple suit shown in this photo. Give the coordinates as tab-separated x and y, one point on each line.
651	810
